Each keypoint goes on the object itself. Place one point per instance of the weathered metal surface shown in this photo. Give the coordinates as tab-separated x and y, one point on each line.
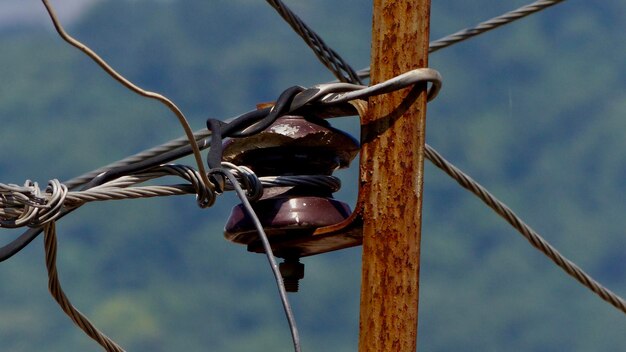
391	180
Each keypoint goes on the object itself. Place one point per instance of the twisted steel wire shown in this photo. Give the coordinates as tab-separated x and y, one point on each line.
200	136
28	206
54	285
10	249
491	24
112	193
531	235
483	27
105	192
324	53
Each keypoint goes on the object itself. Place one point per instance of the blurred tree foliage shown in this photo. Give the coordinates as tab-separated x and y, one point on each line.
533	110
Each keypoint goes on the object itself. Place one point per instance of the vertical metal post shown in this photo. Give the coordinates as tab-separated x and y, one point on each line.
392	177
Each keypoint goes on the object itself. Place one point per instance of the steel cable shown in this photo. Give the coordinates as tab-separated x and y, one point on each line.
163	153
28	206
483	27
505	212
58	195
54	285
323	52
531	235
179	146
493	23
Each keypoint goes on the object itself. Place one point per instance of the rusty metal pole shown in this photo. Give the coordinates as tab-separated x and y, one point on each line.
392	163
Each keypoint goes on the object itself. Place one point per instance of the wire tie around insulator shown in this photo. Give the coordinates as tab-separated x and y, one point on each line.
205	196
247	178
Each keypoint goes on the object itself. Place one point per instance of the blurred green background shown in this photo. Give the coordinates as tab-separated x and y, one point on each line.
536	111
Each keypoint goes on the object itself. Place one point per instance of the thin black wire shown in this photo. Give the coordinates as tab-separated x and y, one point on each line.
13	247
269	254
247	124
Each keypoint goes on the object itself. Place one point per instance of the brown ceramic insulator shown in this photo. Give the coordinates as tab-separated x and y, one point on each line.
291	146
285	217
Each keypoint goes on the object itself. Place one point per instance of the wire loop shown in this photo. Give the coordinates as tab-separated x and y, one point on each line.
248	180
335	93
28	205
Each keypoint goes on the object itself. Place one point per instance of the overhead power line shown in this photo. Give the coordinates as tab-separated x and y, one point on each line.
483	27
30	206
531	235
431	154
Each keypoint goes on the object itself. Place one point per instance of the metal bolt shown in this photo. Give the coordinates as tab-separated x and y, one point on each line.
292	271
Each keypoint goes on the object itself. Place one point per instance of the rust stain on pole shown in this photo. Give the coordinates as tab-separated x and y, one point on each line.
392	160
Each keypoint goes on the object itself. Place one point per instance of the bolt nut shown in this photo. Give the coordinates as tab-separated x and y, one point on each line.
292	271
